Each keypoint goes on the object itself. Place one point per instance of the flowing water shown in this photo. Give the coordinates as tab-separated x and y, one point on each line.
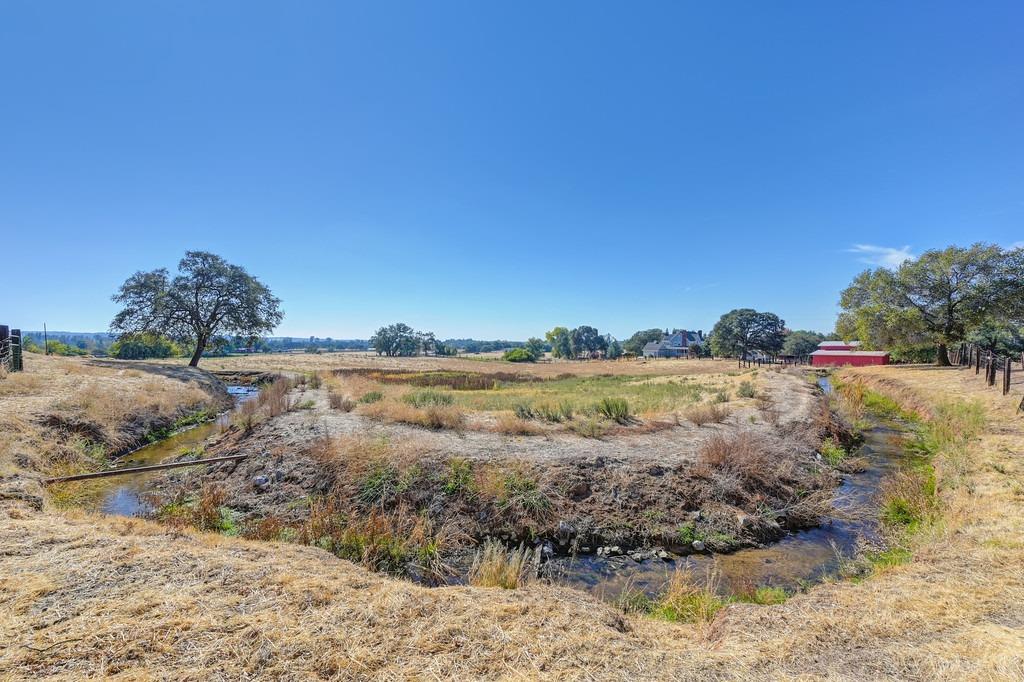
124	495
802	557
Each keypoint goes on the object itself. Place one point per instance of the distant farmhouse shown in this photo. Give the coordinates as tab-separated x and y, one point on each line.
679	344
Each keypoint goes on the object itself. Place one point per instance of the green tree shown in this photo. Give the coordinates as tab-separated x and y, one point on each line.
1001	338
561	344
743	330
614	348
535	347
142	346
801	342
939	298
634	345
396	340
586	341
208	297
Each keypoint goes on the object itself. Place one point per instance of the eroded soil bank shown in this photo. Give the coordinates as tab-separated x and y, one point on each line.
350	484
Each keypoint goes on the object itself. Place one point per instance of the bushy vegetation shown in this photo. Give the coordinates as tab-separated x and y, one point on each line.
428	398
616	409
494	565
144	346
518	355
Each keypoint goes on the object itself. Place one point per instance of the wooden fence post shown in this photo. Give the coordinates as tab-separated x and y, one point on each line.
5	346
1006	376
16	361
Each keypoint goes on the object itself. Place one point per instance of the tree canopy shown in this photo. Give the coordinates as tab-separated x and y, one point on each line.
940	298
400	340
207	298
743	330
801	342
634	345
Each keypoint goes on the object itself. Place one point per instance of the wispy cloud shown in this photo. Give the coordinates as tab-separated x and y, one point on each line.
884	256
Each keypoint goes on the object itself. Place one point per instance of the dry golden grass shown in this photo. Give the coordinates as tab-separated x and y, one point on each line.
495	565
61	415
88	596
511	425
307	362
706	414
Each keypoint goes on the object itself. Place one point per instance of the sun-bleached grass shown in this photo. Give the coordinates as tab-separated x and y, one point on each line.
701	415
495	565
200	606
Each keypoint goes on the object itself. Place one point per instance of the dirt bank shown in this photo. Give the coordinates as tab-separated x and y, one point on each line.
68	415
683	488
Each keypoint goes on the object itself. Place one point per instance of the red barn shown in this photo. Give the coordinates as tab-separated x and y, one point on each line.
857	358
838	345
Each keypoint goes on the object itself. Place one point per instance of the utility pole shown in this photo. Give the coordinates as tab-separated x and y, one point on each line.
46	341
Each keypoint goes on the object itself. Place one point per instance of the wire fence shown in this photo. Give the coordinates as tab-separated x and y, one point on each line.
993	368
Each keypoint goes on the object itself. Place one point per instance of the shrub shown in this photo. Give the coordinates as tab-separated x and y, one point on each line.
371	397
521	497
832	452
721	397
443	418
706	414
523	411
684	601
515	426
274	399
746	390
764	595
458	479
616	409
496	566
340	402
428	398
588	428
518	355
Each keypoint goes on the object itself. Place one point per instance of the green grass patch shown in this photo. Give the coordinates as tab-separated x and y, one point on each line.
428	398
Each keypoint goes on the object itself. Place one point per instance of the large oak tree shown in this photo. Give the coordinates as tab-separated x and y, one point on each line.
940	298
208	297
743	330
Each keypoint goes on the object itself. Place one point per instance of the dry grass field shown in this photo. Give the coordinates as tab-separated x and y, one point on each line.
83	596
309	362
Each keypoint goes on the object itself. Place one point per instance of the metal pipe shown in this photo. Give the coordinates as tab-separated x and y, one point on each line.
136	470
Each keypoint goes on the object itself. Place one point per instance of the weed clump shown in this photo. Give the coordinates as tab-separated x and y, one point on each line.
428	398
700	415
746	389
616	409
340	402
371	397
496	566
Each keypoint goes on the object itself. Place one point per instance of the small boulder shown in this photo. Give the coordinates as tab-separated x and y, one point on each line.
260	483
698	546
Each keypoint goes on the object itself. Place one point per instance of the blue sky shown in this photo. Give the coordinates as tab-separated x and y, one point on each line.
494	169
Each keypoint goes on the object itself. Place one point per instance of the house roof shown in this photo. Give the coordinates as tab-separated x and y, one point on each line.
865	353
829	344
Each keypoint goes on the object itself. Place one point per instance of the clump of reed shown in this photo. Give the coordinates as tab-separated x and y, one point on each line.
494	565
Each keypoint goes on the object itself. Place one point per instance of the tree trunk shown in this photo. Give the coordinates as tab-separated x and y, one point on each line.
200	347
943	356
